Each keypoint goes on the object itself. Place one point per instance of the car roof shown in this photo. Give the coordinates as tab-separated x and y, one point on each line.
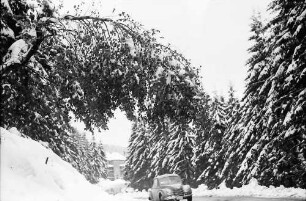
166	175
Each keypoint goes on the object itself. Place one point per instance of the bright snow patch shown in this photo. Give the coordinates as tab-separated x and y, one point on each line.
7	32
6	5
113	187
120	187
16	51
26	176
251	190
159	71
130	44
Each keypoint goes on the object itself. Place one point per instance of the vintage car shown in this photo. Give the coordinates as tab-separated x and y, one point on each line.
169	187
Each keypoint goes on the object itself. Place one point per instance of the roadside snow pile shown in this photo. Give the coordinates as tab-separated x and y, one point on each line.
27	175
113	187
137	194
120	188
253	190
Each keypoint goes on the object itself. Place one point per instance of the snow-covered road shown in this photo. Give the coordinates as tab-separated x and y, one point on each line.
205	198
243	199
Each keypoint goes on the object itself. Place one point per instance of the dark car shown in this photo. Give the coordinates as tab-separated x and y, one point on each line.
169	187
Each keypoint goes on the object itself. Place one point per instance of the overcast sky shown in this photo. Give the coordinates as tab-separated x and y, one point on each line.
211	33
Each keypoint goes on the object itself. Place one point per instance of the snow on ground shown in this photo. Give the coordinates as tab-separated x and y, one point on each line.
26	176
113	187
121	188
144	195
252	190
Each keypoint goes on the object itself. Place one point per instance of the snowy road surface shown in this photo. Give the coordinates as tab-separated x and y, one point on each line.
241	199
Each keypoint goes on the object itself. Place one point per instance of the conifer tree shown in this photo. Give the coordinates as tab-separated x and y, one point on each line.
160	137
210	160
268	142
180	150
285	105
232	107
203	127
138	164
86	156
96	162
218	113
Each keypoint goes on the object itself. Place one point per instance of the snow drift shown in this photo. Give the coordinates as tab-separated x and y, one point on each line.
32	172
114	187
253	189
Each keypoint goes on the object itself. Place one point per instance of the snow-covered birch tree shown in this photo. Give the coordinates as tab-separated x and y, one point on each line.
53	65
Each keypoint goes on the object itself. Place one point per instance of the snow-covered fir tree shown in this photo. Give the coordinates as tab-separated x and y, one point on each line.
218	114
268	141
138	163
96	161
231	107
180	150
160	137
202	129
79	147
285	105
87	156
251	109
208	156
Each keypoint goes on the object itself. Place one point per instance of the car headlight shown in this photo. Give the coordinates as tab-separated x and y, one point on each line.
168	191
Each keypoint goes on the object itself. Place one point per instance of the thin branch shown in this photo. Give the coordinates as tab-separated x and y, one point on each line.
78	18
109	35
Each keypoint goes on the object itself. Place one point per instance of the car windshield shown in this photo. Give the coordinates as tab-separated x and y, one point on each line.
170	180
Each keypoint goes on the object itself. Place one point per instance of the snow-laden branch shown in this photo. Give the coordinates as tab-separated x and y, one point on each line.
16	52
79	18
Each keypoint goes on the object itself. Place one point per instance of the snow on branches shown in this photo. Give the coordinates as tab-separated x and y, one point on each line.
89	65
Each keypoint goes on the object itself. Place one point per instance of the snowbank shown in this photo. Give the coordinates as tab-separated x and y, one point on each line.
113	187
25	174
251	190
144	195
120	188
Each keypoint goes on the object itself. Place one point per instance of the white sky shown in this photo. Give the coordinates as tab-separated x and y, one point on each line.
211	33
